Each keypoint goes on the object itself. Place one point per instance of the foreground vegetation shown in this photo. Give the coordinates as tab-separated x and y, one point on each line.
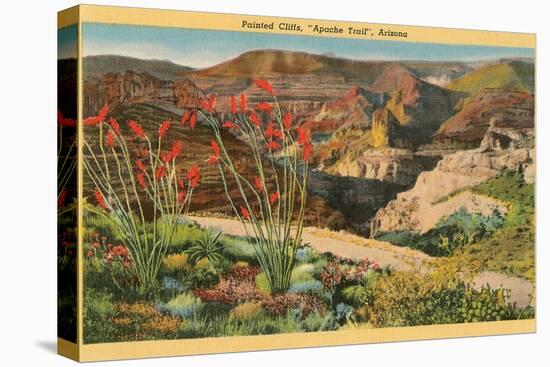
210	284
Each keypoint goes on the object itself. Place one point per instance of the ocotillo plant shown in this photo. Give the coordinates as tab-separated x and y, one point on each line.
66	159
273	213
125	185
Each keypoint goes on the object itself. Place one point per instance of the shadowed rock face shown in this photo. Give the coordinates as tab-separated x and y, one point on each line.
504	108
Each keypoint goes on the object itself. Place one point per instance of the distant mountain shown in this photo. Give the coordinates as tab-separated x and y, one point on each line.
513	76
263	63
419	106
97	66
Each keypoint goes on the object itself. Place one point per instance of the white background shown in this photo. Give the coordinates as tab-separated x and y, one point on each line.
28	182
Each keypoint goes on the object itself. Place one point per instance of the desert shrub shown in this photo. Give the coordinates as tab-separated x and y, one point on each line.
182	306
184	234
307	254
318	321
239	249
197	327
356	295
454	231
312	286
246	311
282	303
242	272
97	311
406	299
300	274
176	263
229	291
202	277
487	304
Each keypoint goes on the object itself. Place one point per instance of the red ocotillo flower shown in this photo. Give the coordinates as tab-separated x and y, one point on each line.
272	145
243	103
258	184
176	149
110	139
136	128
193	120
91	121
254	118
103	113
212	101
194	176
67	122
308	150
230	125
216	151
163	128
245	213
232	104
288	120
160	172
62	197
140	178
114	124
99	199
271	132
166	156
264	106
181	183
185	117
303	136
265	85
274	197
140	166
181	196
209	104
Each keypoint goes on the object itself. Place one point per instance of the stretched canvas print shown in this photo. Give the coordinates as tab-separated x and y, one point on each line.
232	183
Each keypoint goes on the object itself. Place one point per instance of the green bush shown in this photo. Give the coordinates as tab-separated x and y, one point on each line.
183	306
454	231
439	297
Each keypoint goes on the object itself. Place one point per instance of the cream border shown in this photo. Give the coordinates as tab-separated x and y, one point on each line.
232	22
168	348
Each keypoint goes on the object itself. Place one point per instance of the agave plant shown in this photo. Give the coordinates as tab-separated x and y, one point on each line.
209	247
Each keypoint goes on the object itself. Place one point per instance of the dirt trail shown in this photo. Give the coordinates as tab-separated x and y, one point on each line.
384	253
339	243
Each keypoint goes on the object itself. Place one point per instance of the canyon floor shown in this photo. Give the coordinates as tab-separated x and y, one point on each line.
351	246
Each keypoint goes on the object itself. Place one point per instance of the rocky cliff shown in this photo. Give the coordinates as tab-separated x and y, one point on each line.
398	166
503	107
130	87
444	190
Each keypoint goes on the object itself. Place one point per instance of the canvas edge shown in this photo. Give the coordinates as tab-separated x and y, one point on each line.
170	348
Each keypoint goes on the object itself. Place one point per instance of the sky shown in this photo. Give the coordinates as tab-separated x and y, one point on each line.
203	48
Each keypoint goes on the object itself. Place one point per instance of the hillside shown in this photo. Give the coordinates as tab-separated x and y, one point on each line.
490	105
210	196
96	66
261	63
512	75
